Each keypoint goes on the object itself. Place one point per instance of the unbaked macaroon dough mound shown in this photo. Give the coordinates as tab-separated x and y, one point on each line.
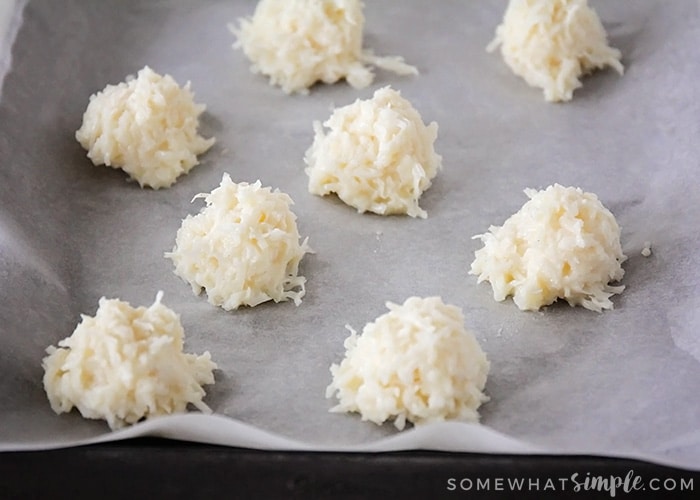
126	364
562	244
416	363
552	43
377	156
242	248
147	126
297	43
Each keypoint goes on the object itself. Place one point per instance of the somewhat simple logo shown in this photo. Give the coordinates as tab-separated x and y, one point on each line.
613	485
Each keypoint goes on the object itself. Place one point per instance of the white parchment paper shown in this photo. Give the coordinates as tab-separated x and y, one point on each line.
621	383
10	21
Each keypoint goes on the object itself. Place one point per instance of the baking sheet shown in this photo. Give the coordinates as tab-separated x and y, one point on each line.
621	383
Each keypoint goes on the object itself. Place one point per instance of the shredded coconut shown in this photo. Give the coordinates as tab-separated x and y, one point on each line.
552	43
242	248
300	42
416	363
378	155
147	126
126	364
563	243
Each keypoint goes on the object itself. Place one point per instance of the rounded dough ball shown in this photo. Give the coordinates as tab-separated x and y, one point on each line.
563	243
416	363
377	156
297	43
242	248
147	126
551	44
126	364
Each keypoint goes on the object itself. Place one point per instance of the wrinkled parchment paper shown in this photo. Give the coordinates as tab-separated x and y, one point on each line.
565	380
10	21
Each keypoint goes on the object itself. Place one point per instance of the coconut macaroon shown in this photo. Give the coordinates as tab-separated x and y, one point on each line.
552	43
147	126
377	155
242	248
297	43
562	244
126	364
416	363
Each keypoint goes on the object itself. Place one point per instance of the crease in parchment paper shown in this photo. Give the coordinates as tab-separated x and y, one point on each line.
10	22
